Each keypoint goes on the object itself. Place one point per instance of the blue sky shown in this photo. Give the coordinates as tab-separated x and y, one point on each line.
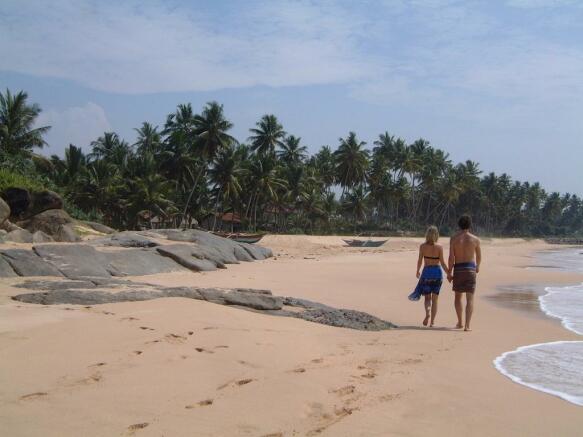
499	82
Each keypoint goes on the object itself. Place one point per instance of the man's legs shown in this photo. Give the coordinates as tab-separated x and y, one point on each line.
434	298
427	308
469	310
458	309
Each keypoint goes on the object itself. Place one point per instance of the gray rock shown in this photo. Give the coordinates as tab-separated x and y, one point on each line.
8	226
54	285
27	263
19	236
184	254
54	222
4	211
99	227
257	252
41	237
126	239
85	293
241	254
6	271
74	260
3	234
135	262
66	234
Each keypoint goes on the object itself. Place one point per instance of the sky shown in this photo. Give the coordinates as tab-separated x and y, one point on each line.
499	82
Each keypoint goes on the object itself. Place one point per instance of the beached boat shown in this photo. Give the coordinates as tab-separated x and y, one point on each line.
365	243
241	238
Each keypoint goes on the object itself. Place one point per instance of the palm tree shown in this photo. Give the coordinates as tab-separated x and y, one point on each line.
149	193
326	167
111	148
355	203
292	153
225	175
17	119
351	162
268	135
264	179
210	130
148	140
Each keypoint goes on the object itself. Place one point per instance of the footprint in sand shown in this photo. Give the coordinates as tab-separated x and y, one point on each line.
298	370
131	319
138	352
236	383
190	332
273	434
221	346
131	430
174	338
98	365
201	349
91	379
205	403
318	360
108	313
345	391
146	328
33	396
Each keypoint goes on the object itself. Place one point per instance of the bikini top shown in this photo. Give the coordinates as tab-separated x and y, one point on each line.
431	257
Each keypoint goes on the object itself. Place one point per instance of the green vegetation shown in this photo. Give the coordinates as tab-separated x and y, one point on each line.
193	169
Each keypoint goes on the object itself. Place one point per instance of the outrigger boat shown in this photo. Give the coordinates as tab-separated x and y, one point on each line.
365	243
240	238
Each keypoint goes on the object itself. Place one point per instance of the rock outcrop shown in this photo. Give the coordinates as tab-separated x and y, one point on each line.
4	211
54	222
131	253
89	291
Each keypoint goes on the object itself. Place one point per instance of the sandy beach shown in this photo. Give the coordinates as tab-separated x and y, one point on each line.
180	367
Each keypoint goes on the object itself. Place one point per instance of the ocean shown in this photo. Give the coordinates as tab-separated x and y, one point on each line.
556	367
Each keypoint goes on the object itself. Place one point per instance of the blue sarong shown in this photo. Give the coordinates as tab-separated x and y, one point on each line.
429	282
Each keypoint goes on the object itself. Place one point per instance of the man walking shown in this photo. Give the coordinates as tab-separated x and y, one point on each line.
465	257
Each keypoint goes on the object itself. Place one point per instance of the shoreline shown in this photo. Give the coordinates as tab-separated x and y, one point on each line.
305	378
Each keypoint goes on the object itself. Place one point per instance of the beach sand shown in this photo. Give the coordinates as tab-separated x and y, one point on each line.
179	367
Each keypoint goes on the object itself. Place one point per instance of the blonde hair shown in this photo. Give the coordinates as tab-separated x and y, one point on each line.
432	235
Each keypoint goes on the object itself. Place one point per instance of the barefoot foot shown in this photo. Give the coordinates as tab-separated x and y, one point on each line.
425	320
467	329
458	326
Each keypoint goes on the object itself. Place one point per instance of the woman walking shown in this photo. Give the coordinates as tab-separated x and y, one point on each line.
431	256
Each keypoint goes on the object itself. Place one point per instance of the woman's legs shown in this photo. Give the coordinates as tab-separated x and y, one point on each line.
427	304
434	298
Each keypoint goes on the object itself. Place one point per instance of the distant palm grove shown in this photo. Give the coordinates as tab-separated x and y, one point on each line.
191	170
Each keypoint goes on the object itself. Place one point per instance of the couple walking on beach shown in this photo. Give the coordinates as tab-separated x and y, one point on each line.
462	267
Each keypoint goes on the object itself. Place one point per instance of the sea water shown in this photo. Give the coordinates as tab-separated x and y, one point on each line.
557	367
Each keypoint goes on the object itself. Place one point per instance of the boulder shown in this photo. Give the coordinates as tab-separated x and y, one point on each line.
42	201
19	236
4	211
136	262
41	237
184	254
8	226
18	199
75	260
27	263
224	246
54	222
3	234
6	271
257	252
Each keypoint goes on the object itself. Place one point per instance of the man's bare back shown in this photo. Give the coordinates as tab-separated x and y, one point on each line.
465	247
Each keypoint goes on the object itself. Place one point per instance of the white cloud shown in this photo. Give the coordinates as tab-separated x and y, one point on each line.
79	125
141	47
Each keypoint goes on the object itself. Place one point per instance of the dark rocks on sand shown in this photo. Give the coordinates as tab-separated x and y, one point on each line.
6	271
41	237
27	263
54	222
87	292
99	227
127	239
189	257
74	260
43	201
19	236
136	262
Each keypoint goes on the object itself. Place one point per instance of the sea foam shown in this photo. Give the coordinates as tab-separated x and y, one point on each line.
555	368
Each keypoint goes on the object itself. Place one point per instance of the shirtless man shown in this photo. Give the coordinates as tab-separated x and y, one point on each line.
465	257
